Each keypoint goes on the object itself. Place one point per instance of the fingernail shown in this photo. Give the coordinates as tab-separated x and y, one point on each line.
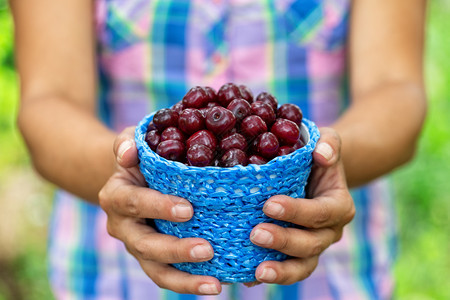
262	237
124	146
325	150
182	211
201	252
274	209
268	274
208	288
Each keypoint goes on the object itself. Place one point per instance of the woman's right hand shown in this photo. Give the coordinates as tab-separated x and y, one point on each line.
128	202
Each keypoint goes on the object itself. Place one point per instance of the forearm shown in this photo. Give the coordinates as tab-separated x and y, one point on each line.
380	130
68	145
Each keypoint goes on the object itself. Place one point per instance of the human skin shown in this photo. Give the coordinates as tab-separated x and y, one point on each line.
378	133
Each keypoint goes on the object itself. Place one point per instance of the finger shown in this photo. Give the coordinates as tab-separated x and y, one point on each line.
252	284
320	212
125	148
145	243
328	148
293	241
141	202
286	272
167	277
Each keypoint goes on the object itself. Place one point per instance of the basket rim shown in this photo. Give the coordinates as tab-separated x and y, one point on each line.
141	129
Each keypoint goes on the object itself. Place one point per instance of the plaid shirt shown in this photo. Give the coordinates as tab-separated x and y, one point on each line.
150	53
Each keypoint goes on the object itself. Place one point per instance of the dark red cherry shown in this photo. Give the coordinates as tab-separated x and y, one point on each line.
269	99
178	107
153	139
299	144
197	97
253	146
172	133
232	131
164	118
204	111
257	160
267	145
246	93
212	104
286	131
191	120
211	93
291	112
240	109
234	157
227	93
202	137
265	111
235	140
151	126
220	120
171	149
252	126
284	150
200	156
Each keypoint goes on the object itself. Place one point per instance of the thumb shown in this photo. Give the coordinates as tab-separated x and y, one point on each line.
328	148
125	148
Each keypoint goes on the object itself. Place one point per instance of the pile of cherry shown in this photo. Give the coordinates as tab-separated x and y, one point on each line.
226	128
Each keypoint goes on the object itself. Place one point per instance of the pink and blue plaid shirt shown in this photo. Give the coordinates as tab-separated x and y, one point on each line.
150	53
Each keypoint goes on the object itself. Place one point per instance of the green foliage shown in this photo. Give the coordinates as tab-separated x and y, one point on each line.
423	191
12	149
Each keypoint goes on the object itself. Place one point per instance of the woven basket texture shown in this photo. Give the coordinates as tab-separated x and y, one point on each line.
227	203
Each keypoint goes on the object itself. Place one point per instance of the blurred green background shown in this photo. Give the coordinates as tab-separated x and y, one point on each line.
423	194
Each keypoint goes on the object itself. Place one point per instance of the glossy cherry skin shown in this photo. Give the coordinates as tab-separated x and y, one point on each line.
197	97
232	131
204	111
265	111
151	126
233	157
172	150
178	107
299	144
164	118
216	162
286	131
212	94
227	93
240	109
153	138
191	120
267	145
200	156
202	137
252	126
212	104
284	150
291	112
220	120
246	93
234	140
257	160
269	99
172	133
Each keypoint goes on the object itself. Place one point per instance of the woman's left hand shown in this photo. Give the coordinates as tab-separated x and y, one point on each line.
322	217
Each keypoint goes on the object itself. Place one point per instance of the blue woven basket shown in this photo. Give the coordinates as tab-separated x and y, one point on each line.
227	203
